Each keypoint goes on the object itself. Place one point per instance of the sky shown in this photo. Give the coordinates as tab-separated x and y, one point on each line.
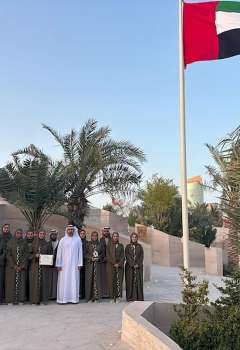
63	62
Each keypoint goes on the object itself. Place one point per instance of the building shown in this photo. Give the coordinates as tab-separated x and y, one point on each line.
195	191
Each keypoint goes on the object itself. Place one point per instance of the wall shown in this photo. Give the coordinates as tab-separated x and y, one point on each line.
144	325
167	251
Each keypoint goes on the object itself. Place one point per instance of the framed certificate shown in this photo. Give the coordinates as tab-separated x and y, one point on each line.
46	260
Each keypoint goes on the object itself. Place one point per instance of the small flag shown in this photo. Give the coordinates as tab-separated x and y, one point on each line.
211	30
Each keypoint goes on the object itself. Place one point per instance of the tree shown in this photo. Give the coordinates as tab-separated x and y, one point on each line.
159	205
201	224
34	185
175	218
158	197
109	207
94	163
225	178
137	216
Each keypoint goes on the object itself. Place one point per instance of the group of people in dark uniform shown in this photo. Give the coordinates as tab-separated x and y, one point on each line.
105	260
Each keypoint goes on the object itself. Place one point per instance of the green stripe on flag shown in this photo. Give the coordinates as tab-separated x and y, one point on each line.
229	6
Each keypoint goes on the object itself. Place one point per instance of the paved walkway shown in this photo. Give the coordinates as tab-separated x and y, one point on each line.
83	326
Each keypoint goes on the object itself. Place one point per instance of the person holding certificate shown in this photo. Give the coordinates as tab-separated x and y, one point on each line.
39	271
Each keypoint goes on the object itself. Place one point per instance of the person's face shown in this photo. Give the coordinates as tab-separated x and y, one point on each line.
82	234
18	234
134	238
35	234
106	232
6	229
70	231
29	235
53	236
115	238
94	236
41	235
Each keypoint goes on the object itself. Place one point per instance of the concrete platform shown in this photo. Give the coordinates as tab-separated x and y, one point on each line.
83	326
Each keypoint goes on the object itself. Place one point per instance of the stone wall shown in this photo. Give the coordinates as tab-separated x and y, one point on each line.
167	251
145	326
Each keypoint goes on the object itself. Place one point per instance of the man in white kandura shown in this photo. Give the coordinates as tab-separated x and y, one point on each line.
69	261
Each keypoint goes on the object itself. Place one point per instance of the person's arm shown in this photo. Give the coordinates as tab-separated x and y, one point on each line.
35	252
25	256
88	253
55	255
129	257
10	258
122	256
30	250
80	255
59	262
49	249
101	254
110	255
140	256
2	254
104	250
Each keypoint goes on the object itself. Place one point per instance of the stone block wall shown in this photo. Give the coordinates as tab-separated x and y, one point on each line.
167	251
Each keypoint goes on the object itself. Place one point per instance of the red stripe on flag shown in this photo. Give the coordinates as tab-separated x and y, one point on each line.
199	32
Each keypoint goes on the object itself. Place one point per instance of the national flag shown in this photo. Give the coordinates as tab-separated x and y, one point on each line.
211	30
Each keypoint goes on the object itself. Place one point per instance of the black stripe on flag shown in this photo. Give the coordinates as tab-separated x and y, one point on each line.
229	43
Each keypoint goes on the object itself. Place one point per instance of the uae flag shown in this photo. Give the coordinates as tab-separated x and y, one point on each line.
211	30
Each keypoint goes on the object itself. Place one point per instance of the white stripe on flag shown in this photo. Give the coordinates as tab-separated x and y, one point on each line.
227	21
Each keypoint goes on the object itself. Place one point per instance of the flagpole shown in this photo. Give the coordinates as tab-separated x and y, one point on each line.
183	158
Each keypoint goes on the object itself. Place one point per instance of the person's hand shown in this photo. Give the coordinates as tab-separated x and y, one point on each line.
116	265
59	269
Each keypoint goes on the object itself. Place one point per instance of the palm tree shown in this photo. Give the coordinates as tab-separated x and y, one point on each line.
226	179
94	163
34	185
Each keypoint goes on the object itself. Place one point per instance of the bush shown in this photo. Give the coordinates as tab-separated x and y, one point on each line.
190	328
226	316
201	327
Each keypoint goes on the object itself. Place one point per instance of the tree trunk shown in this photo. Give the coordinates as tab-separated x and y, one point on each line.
78	209
233	250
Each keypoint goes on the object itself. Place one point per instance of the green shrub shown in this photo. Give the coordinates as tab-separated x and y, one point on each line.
190	328
226	315
200	327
